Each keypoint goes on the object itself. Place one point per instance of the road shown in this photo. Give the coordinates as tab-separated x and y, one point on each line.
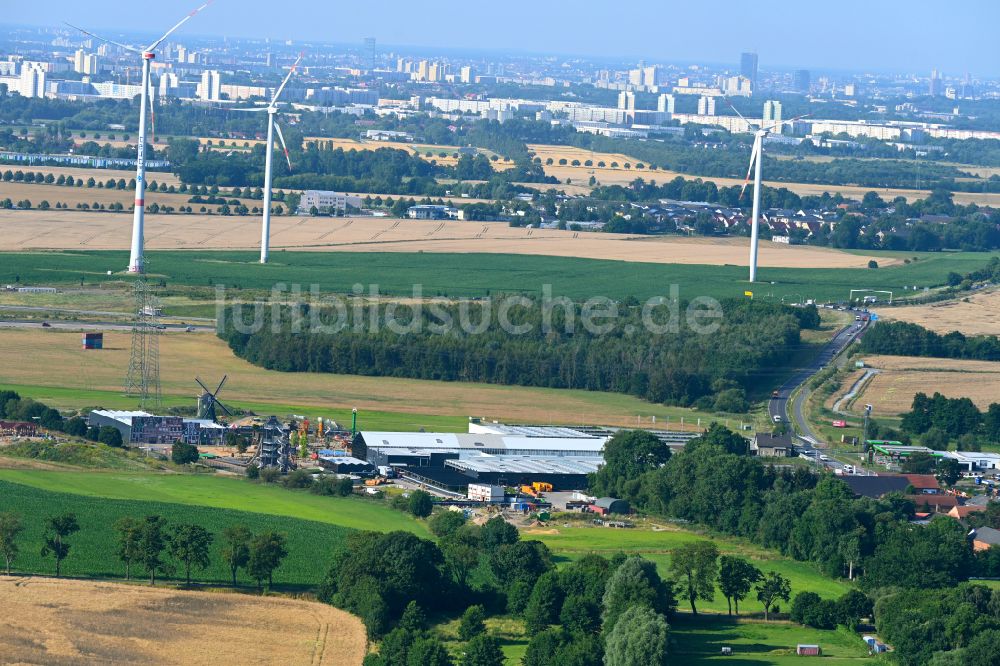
85	313
92	325
791	411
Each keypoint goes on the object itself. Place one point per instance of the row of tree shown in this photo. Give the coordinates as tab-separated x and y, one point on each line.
952	417
157	547
900	338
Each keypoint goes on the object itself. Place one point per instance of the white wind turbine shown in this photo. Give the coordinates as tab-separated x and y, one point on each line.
756	154
272	126
135	262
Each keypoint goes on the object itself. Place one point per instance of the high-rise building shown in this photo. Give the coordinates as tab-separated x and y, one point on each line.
651	76
800	81
78	61
626	100
467	75
422	70
772	112
210	88
706	106
736	86
32	81
748	68
665	103
936	85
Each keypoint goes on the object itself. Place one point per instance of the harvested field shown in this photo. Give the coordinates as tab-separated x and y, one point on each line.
420	150
71	196
73	621
891	391
28	360
20	230
977	314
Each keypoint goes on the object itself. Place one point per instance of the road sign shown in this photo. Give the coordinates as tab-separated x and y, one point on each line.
748	294
872	317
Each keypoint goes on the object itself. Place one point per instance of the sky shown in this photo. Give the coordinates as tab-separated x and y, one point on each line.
873	35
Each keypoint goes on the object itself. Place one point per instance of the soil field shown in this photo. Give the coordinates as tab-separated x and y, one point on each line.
977	314
56	360
420	150
72	621
891	391
20	230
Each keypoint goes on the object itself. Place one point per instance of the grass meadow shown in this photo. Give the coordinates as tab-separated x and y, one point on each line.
477	275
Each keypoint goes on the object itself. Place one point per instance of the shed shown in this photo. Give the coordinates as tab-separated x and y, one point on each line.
606	505
804	650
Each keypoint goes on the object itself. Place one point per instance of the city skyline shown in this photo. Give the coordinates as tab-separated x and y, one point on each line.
809	37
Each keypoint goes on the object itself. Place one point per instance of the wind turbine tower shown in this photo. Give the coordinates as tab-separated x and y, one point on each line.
135	262
272	127
756	158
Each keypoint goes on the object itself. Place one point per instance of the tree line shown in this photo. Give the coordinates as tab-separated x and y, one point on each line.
900	338
677	366
154	546
941	419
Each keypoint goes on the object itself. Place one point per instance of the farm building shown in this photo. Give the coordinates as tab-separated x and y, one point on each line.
939	503
924	483
609	505
376	447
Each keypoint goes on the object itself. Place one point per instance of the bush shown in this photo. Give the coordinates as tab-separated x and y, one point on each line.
300	478
270	474
111	436
182	454
446	522
872	264
472	623
420	503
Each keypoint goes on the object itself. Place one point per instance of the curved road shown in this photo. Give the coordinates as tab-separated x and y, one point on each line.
791	412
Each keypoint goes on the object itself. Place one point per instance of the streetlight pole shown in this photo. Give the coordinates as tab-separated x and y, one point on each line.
864	432
354	422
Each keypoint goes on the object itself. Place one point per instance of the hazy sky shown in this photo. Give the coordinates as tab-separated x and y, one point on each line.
903	35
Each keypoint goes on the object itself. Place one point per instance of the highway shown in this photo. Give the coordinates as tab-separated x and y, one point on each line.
791	411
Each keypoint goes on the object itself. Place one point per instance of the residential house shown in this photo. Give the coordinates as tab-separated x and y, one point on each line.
772	446
985	538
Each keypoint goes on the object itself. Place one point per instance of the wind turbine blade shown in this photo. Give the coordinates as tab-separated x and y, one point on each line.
749	124
179	24
284	147
87	32
224	378
754	155
782	122
201	384
285	82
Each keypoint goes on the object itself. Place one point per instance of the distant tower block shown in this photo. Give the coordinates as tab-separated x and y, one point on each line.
370	51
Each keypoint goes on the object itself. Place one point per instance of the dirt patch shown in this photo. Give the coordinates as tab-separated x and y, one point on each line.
25	230
977	314
72	622
891	391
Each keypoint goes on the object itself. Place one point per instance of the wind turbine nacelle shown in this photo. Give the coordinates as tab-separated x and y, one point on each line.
148	55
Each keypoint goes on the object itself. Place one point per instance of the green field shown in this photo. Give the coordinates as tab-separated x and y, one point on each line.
700	640
574	542
92	552
482	274
218	492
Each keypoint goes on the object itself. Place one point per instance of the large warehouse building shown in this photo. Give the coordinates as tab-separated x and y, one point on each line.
497	453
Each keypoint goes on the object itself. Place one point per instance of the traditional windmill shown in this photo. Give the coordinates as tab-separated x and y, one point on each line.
209	400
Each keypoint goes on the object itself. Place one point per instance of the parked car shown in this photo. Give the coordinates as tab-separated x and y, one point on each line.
46	324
